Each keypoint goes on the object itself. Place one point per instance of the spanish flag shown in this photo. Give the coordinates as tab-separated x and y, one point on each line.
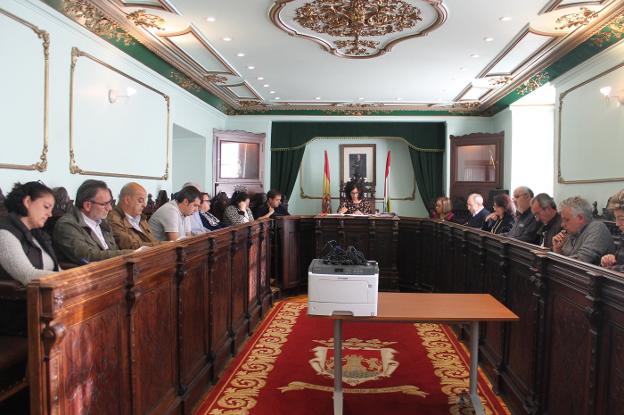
386	183
326	203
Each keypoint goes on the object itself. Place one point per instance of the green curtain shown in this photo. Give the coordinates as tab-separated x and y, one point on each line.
425	140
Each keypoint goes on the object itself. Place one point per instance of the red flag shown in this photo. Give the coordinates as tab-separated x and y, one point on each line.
326	203
386	183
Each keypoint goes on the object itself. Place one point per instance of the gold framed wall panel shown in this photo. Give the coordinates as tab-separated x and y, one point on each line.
42	164
74	168
560	178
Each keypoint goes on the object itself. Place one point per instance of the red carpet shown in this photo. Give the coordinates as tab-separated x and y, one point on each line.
388	368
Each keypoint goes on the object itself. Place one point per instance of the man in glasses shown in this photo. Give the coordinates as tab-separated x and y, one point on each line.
525	226
82	235
544	209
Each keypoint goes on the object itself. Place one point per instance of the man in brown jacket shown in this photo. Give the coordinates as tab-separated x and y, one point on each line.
129	227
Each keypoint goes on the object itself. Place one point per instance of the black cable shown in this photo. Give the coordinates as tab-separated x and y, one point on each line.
332	253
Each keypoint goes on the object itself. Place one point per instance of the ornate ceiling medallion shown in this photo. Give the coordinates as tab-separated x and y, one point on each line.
574	20
358	28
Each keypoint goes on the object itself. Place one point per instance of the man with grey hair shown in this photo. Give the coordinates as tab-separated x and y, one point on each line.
582	237
129	226
525	225
478	213
544	209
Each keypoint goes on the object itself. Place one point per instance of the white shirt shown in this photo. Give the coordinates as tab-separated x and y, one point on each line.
169	219
95	227
135	221
477	212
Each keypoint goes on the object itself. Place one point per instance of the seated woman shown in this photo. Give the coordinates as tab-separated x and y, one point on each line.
354	205
502	219
238	211
26	251
210	221
443	209
616	206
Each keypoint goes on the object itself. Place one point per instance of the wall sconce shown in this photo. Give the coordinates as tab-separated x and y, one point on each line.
606	92
114	95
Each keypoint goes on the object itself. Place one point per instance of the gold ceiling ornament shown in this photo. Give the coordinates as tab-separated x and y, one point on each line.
356	110
184	81
357	28
574	20
498	81
215	78
248	107
93	19
146	20
357	19
533	83
464	107
613	31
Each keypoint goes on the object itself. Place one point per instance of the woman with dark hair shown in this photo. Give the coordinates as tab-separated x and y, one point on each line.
25	250
354	204
502	219
238	211
209	221
443	209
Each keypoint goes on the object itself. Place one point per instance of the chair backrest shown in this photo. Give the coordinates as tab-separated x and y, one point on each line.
368	192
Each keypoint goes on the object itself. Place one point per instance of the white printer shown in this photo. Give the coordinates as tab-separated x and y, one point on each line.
342	289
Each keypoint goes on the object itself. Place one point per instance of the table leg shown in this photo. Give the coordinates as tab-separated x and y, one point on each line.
337	367
474	368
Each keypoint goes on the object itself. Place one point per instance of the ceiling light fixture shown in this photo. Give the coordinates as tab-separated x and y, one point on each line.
317	98
271	92
260	78
361	98
488	39
399	99
474	55
505	19
211	19
276	98
227	39
462	69
266	85
240	54
250	67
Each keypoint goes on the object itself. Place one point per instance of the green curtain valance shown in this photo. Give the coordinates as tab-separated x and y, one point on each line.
426	142
407	143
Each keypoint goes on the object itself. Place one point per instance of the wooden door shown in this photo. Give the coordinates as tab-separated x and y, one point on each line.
476	167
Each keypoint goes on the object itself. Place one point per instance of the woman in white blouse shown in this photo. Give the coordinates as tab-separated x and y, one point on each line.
26	251
238	211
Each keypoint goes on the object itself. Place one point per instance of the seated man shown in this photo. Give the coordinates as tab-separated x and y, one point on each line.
478	213
195	221
583	238
130	229
82	235
545	210
168	222
525	225
273	207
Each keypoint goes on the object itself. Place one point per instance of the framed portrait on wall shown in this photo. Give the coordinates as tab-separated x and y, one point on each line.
357	160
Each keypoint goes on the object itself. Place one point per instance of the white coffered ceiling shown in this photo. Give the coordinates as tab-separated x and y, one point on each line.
456	51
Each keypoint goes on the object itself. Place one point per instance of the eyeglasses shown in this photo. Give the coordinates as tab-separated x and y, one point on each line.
103	204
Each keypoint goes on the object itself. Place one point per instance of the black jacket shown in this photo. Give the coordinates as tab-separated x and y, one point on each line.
478	220
503	225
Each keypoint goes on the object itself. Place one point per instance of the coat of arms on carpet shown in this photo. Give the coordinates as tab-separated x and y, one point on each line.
363	360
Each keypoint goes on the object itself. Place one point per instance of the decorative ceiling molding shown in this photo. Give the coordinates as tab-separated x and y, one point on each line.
358	29
518	68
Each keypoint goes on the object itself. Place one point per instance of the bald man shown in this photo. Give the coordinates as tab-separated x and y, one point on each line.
130	228
478	213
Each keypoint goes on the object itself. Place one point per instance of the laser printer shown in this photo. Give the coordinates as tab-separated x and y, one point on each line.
342	289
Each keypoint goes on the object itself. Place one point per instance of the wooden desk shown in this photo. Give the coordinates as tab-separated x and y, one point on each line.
415	307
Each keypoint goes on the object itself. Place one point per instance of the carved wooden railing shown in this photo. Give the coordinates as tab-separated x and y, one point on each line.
148	332
564	356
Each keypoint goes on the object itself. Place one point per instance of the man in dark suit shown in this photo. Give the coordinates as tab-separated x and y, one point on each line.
477	211
273	207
